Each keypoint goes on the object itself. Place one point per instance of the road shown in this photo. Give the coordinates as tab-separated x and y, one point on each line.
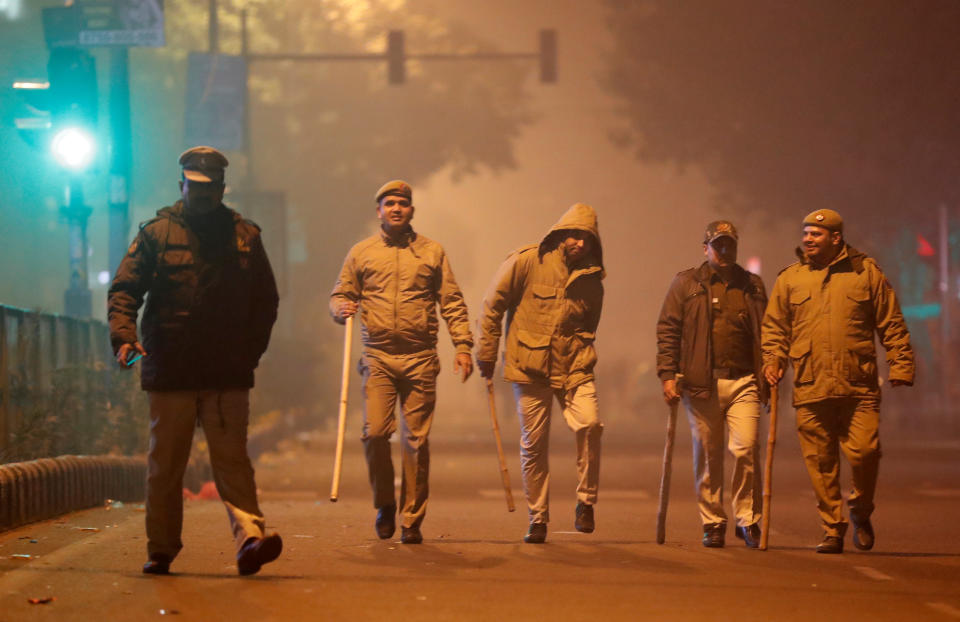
473	565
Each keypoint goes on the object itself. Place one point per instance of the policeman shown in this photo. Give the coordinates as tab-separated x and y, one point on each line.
396	279
211	306
551	294
823	314
709	331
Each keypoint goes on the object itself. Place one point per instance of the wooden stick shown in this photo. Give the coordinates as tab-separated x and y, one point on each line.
768	468
496	434
665	473
342	417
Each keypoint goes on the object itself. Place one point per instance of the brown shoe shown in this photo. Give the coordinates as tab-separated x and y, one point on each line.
584	521
410	535
258	551
831	545
862	534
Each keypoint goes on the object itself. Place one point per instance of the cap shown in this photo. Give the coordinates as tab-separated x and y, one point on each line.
203	164
719	229
826	218
396	187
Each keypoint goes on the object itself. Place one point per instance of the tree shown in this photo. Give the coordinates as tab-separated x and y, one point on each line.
791	106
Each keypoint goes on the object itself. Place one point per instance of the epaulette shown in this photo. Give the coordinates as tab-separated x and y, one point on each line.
252	224
147	223
788	267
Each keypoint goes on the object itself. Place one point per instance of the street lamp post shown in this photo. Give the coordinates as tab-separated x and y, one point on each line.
73	148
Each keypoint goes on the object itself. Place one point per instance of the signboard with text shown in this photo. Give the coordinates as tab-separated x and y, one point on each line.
120	23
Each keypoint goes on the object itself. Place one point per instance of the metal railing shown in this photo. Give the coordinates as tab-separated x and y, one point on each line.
33	347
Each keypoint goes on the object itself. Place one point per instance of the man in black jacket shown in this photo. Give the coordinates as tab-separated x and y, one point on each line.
709	332
211	306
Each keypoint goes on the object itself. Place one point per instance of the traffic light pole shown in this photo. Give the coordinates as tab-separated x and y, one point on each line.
77	302
120	156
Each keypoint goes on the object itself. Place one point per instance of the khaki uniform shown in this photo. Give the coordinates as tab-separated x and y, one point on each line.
552	313
824	321
399	283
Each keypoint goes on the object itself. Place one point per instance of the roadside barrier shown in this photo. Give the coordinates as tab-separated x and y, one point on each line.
41	489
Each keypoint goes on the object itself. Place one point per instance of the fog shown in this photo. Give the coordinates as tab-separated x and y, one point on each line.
665	116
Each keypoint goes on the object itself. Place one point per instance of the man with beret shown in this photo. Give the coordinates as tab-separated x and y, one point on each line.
211	306
552	295
709	333
397	279
824	313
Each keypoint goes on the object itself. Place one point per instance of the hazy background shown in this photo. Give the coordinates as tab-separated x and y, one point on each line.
666	115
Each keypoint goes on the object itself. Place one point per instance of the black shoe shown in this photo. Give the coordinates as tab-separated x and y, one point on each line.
713	534
750	535
410	535
157	564
831	545
258	551
386	521
536	534
584	521
862	534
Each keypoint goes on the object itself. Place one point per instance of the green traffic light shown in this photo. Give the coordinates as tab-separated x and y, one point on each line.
73	148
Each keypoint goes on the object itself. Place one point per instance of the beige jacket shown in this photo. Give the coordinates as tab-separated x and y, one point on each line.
552	310
398	285
824	320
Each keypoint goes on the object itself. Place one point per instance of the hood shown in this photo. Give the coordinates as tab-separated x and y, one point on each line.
580	217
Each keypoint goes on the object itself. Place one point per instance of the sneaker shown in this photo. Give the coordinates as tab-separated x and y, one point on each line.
157	564
258	551
584	521
713	534
749	534
536	534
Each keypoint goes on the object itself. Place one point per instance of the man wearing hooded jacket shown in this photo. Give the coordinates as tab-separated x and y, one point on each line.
552	295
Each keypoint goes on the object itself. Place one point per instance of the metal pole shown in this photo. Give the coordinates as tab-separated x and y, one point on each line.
946	367
77	297
120	157
213	28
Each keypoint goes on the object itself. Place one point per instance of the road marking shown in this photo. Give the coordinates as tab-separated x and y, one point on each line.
873	573
497	493
940	492
945	608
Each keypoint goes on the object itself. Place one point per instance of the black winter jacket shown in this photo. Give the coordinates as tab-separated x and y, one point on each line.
212	300
684	329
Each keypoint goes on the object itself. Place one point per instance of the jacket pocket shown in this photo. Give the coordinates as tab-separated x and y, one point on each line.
862	364
858	305
800	357
544	301
533	352
586	357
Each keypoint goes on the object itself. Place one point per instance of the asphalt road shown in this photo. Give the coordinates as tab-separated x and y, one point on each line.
473	565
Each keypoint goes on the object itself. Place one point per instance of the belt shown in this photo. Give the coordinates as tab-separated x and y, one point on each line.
730	373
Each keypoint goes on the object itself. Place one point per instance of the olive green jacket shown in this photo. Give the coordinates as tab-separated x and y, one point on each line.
824	321
399	284
552	310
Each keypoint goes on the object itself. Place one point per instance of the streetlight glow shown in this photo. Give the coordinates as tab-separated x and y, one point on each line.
73	148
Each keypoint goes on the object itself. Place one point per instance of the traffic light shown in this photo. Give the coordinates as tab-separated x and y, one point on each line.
548	56
73	106
396	57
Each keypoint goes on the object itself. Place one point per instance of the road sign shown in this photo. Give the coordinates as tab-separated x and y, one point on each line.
120	23
216	92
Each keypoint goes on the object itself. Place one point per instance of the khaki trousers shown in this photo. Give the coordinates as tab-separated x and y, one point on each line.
580	410
732	407
826	428
173	418
411	379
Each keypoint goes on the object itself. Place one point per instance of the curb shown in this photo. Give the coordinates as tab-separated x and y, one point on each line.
41	489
